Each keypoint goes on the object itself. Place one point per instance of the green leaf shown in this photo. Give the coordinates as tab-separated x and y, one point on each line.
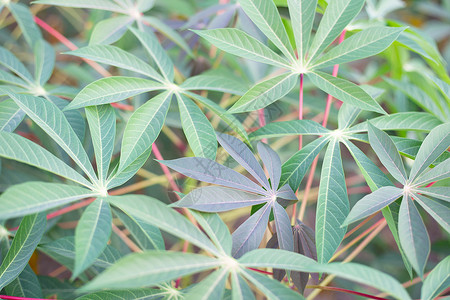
388	154
439	172
413	235
110	30
16	147
9	61
156	213
55	124
440	192
265	15
287	128
372	203
212	287
302	19
24	18
92	234
156	52
44	61
432	147
265	93
25	241
365	43
332	204
437	281
347	115
337	16
112	89
117	57
270	287
294	169
95	4
421	121
168	32
26	285
12	79
102	125
31	197
237	42
198	130
10	115
142	129
215	83
439	210
344	90
137	294
150	268
240	289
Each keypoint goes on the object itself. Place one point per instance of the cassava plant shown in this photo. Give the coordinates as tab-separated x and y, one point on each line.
174	153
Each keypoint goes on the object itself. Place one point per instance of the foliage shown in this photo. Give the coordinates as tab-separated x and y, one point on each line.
79	187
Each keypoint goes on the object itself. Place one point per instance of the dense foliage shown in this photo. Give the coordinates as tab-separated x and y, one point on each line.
168	156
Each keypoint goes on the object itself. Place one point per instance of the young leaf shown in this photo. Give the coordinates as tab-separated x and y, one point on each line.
212	287
92	234
14	146
345	90
112	89
413	235
31	197
248	236
439	210
437	281
239	43
283	226
102	125
365	43
242	154
388	154
272	162
332	204
338	14
25	241
302	19
156	52
55	124
284	128
150	268
432	147
110	30
143	128
117	57
198	130
218	199
265	93
209	171
10	115
265	15
372	203
44	61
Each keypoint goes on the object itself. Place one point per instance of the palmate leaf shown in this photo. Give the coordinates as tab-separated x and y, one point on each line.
198	130
439	210
16	147
283	226
44	61
265	93
209	171
437	281
242	154
239	43
25	241
112	89
137	294
265	15
388	154
117	57
55	124
302	19
149	268
432	147
110	30
332	204
212	287
10	115
365	43
156	213
284	128
337	16
344	90
272	162
102	126
413	235
91	234
31	197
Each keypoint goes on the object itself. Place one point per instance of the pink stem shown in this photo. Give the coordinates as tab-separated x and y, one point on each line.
18	298
262	121
300	110
165	169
